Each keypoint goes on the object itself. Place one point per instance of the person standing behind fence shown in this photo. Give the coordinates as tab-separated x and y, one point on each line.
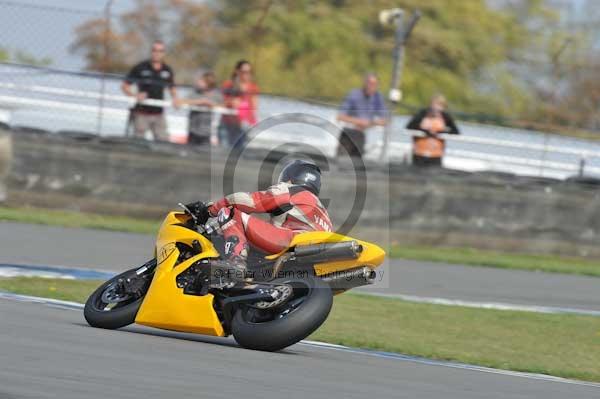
200	123
151	77
241	94
434	120
362	109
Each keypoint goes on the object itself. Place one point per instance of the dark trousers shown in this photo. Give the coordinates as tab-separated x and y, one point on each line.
426	161
198	140
236	135
352	142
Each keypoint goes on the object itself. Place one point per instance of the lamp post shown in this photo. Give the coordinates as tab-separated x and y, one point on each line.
395	17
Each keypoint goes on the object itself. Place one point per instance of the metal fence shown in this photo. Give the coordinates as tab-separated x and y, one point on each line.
43	86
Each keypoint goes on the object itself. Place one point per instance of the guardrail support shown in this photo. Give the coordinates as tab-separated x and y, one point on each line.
581	166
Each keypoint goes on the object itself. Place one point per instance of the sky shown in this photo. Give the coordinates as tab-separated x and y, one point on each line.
45	27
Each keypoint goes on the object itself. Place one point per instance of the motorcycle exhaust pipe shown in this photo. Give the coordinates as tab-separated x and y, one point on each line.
348	279
328	252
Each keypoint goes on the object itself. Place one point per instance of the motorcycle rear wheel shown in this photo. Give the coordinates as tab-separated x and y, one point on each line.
275	329
118	311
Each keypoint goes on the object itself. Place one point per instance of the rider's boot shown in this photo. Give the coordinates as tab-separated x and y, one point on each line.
236	247
234	268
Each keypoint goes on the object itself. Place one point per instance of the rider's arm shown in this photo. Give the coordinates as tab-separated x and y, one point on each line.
257	202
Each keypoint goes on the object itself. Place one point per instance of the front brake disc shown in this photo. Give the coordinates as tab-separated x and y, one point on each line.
114	294
285	292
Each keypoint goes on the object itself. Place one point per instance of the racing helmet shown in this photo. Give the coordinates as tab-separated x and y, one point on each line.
302	173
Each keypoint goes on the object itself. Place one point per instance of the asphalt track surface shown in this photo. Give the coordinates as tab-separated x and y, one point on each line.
103	250
50	352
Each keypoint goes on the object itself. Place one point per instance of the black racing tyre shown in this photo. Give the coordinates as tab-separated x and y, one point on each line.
288	324
121	314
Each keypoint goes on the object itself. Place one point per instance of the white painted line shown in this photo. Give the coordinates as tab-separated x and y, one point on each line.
324	345
86	274
485	305
45	301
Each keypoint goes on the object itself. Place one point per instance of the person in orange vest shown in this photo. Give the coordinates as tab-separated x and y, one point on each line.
429	150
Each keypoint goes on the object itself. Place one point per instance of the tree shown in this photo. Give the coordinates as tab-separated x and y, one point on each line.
320	49
184	25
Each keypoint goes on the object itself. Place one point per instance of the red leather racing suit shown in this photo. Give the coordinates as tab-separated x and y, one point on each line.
293	210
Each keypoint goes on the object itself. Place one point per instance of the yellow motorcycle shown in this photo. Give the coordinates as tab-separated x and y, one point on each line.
288	296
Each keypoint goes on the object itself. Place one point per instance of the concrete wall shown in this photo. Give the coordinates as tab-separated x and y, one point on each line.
403	205
5	161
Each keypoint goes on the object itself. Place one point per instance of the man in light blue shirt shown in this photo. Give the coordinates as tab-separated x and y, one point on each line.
362	109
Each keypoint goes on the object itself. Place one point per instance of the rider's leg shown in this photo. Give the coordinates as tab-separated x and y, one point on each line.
239	228
141	123
236	243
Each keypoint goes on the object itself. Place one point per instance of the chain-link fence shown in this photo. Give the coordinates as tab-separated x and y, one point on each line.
44	87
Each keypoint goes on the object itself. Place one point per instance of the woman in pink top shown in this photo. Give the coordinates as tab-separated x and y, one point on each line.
240	93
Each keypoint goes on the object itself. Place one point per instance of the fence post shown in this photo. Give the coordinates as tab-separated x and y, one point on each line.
402	35
582	166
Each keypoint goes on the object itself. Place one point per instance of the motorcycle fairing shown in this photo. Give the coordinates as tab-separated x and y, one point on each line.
165	305
371	256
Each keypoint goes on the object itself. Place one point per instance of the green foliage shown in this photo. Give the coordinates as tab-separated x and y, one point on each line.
23	57
26	58
320	49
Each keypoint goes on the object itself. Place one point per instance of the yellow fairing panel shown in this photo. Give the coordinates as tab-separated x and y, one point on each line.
371	256
165	306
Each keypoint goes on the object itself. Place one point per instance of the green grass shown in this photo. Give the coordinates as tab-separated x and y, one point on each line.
78	219
561	345
476	257
64	289
465	256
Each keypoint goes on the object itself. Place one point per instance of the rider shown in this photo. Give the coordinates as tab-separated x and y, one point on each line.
293	204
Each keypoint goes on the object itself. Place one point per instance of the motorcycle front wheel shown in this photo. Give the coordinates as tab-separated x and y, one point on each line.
110	306
274	329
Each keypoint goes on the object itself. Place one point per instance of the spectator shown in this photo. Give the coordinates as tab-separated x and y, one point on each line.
151	77
429	150
207	95
361	110
241	94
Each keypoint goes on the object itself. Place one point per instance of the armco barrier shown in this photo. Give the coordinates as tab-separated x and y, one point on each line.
140	178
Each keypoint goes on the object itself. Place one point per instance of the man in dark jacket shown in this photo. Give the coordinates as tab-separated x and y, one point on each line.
151	77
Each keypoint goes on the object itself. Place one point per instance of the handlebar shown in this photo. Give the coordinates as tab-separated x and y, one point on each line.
202	218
